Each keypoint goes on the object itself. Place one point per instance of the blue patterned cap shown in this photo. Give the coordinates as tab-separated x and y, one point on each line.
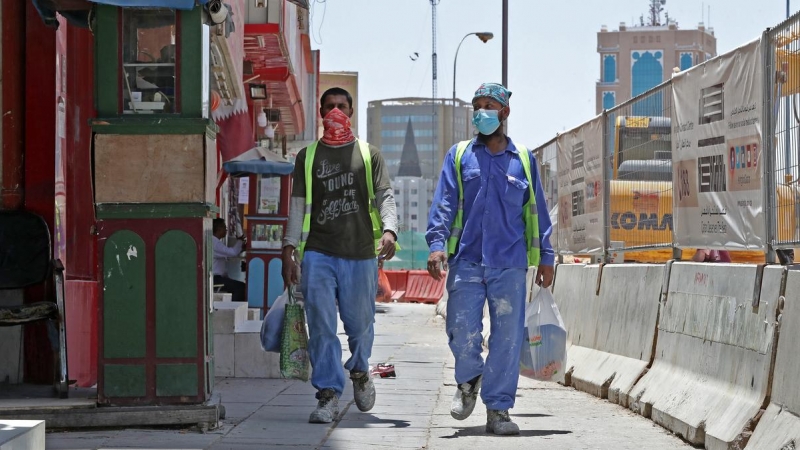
495	91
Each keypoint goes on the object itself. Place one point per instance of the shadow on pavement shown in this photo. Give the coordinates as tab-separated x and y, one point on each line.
370	421
481	431
531	415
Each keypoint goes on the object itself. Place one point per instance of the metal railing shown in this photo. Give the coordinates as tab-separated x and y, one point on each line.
645	151
781	141
547	157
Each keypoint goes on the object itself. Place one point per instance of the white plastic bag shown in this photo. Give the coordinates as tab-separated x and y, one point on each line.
543	355
272	327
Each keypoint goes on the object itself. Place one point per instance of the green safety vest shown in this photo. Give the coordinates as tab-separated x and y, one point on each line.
530	216
377	223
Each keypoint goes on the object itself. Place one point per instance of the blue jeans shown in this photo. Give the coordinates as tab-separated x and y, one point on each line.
354	283
469	285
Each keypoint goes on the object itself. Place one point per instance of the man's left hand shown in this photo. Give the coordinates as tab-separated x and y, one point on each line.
544	276
386	247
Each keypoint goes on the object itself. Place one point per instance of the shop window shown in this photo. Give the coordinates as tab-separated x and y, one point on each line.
148	61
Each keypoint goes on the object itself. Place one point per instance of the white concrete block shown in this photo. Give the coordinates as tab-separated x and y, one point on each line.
21	434
250	361
224	355
228	315
575	294
441	305
253	314
780	425
778	428
223	297
617	339
711	370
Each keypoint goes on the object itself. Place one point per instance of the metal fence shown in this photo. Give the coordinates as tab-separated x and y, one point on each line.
638	166
547	157
781	142
640	160
724	168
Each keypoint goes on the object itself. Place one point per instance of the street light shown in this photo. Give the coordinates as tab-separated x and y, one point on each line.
483	36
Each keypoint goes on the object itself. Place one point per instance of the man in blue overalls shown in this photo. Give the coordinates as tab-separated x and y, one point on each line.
489	223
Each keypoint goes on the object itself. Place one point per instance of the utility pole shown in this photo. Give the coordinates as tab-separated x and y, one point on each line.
505	43
434	92
433	44
505	54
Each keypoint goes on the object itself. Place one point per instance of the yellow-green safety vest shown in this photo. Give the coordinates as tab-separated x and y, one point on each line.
377	223
530	216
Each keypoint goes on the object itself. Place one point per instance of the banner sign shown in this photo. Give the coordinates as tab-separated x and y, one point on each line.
580	189
717	163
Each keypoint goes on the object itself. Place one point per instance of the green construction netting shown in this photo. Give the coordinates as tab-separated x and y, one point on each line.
414	253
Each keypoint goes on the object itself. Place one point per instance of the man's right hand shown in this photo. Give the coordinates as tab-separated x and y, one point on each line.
437	265
290	268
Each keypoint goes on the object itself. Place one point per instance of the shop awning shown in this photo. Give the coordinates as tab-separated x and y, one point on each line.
173	4
260	161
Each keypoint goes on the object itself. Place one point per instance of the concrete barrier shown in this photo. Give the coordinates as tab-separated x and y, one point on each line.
779	427
21	434
713	357
575	291
617	341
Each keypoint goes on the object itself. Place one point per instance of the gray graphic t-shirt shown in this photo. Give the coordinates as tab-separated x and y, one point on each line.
340	222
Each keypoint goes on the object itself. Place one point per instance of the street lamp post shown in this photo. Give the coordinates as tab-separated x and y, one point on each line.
483	36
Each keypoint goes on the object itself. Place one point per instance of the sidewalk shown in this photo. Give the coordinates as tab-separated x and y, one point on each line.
412	410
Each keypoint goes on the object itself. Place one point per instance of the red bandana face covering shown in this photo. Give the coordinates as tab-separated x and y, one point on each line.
336	127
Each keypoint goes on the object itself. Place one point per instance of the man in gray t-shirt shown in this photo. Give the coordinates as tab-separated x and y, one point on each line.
339	263
340	221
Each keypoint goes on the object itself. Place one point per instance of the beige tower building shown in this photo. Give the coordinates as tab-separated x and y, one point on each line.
634	59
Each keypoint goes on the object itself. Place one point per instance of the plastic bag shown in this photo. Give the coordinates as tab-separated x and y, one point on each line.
294	341
384	294
544	348
272	326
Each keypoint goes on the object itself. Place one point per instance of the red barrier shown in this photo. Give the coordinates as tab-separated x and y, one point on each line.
422	288
398	279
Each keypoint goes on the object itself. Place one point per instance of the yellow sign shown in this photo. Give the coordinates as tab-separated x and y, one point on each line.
637	122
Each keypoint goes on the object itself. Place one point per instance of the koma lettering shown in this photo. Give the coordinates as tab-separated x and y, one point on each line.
629	221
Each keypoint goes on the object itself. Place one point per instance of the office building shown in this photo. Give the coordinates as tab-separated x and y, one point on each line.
431	122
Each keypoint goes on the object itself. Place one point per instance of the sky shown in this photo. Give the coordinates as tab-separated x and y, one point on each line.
553	64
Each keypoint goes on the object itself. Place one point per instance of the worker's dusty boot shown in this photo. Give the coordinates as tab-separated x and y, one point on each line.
363	390
499	423
465	398
327	407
